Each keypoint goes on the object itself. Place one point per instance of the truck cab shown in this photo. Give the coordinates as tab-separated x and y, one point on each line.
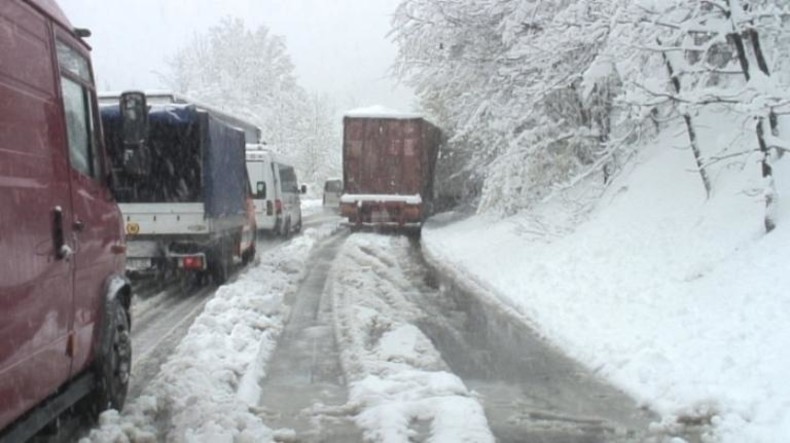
64	300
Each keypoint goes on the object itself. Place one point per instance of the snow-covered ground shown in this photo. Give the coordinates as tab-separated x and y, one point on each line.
400	387
312	206
679	300
204	392
397	378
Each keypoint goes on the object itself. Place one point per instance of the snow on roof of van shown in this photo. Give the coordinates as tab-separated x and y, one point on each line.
259	152
378	111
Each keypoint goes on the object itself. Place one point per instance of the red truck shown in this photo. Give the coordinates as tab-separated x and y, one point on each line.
64	300
389	159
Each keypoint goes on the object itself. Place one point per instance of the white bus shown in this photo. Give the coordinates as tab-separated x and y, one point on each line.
275	191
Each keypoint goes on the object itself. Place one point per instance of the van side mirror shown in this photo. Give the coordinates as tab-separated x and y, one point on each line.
134	133
134	118
304	189
260	189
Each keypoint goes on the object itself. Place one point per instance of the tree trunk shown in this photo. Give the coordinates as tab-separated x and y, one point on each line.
767	172
689	127
754	37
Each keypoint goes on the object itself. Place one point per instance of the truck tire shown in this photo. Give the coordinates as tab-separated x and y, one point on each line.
248	255
113	363
220	263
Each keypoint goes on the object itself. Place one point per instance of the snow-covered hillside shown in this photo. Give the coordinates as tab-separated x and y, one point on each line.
679	300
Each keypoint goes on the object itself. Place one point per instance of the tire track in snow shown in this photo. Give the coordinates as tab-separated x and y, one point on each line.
399	383
304	391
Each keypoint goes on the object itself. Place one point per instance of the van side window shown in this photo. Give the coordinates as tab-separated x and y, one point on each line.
77	104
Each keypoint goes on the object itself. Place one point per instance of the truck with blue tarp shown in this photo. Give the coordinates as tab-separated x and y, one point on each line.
183	192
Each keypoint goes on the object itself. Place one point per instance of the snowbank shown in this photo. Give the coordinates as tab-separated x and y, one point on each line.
204	391
311	207
397	379
680	301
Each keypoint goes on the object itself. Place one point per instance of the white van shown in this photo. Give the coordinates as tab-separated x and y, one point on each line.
333	189
275	190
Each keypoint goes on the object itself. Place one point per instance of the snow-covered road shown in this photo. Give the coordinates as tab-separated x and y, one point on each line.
339	337
304	371
159	325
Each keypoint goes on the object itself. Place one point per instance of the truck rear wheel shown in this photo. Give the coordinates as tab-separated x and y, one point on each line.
220	263
248	255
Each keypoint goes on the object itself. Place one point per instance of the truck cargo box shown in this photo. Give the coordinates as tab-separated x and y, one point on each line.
183	192
194	158
389	159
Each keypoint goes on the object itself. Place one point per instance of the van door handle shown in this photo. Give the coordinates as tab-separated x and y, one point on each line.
62	250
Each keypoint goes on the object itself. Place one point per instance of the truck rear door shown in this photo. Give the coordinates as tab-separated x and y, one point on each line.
36	283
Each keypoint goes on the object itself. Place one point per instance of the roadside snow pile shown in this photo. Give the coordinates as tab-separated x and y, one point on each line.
203	392
680	301
398	380
311	207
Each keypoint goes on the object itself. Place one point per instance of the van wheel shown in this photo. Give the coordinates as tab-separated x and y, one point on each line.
113	361
286	232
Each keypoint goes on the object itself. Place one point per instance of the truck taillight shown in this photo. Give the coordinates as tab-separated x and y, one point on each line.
269	207
278	206
412	213
192	262
348	209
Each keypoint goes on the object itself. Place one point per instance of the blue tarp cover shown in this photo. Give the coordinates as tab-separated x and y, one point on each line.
189	133
225	174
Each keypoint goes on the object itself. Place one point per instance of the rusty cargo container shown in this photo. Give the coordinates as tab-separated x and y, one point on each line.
389	159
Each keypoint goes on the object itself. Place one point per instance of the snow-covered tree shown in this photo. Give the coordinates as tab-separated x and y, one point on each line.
320	154
542	96
250	74
715	49
510	77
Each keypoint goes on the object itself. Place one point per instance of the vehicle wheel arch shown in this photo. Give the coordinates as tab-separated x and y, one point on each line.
106	393
118	287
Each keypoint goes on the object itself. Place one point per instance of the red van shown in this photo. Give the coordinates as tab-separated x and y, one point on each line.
64	300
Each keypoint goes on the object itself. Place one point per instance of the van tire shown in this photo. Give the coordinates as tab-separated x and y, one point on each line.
286	232
113	363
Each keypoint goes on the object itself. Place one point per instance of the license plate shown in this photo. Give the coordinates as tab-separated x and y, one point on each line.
380	216
138	263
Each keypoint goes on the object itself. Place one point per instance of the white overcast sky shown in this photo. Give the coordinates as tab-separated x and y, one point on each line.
339	47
